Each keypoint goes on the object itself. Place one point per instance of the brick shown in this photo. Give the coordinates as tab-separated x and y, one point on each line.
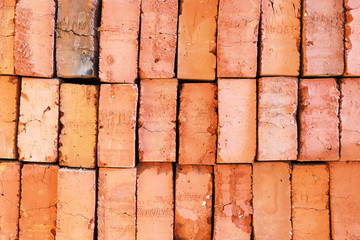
193	202
237	38
197	40
271	201
233	197
310	202
78	121
198	123
38	201
34	38
9	99
323	21
155	201
277	130
117	125
9	199
345	200
237	121
280	38
158	38
319	122
39	120
350	119
76	204
352	37
116	207
76	38
157	120
120	22
7	32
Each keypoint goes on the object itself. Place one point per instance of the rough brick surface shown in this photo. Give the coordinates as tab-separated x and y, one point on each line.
38	201
119	41
319	122
155	201
157	120
237	121
7	32
233	197
271	200
78	111
198	123
237	38
116	204
117	125
277	127
193	202
158	38
39	120
352	38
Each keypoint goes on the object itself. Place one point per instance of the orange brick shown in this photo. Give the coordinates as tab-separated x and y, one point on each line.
237	121
76	38
237	38
158	38
155	201
310	202
116	204
9	199
157	120
34	38
7	32
117	125
78	111
198	123
233	197
9	99
193	202
119	41
271	200
197	40
39	120
319	122
277	130
352	38
323	20
38	201
76	204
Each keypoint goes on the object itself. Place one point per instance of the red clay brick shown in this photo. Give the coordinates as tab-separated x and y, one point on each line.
237	38
158	38
78	111
76	38
193	202
76	204
119	41
277	130
117	125
9	99
319	122
271	200
155	201
116	204
157	120
322	21
237	121
198	123
39	120
280	38
233	197
352	38
345	200
7	32
38	201
9	199
197	40
310	202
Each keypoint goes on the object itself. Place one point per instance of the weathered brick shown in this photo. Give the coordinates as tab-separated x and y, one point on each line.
7	32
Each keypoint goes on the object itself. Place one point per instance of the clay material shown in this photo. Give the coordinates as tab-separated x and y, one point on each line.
352	38
7	32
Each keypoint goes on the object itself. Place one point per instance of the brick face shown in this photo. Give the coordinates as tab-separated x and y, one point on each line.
352	38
